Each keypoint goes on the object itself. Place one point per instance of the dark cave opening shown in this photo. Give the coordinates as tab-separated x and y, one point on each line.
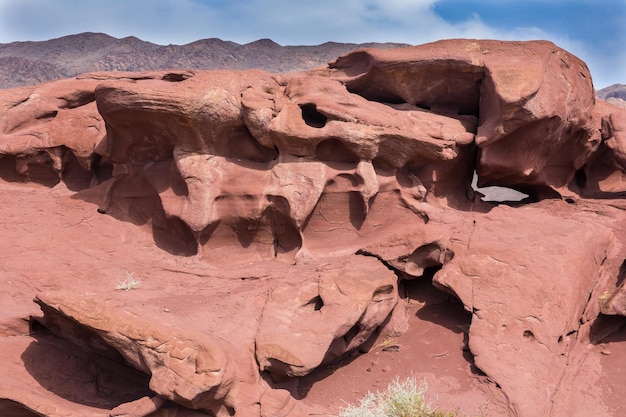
312	116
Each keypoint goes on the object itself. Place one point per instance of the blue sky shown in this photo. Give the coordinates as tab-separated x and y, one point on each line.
594	30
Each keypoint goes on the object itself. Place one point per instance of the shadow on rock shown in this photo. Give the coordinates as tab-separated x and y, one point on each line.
10	408
83	378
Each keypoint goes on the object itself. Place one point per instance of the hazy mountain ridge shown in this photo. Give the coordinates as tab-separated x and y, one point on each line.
614	94
29	63
612	91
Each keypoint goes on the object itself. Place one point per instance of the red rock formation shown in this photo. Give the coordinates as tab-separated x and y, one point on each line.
526	95
274	221
604	175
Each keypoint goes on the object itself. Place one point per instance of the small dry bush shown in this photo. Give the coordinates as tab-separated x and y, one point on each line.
400	399
129	283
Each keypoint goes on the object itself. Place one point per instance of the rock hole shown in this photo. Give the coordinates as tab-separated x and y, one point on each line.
311	116
349	181
68	359
102	169
176	77
497	194
278	370
407	178
316	302
44	174
357	210
7	169
427	259
78	99
172	234
439	308
606	329
380	95
37	168
528	335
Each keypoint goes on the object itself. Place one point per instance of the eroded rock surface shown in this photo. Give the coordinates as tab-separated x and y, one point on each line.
526	95
273	221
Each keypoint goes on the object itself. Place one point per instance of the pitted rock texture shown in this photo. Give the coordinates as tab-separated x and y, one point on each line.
280	227
268	152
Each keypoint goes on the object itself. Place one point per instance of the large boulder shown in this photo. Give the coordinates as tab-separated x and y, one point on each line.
523	303
605	174
315	321
534	102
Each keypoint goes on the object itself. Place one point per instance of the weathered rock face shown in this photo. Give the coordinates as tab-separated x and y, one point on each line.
604	175
222	150
272	217
526	96
49	132
316	321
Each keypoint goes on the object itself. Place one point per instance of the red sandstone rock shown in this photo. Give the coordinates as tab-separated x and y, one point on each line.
533	100
270	217
604	175
315	321
616	303
270	157
50	131
523	303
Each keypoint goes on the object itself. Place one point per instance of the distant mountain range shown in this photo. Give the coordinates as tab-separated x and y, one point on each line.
29	63
612	91
614	94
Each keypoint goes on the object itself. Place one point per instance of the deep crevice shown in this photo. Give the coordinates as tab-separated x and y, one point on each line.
47	115
580	178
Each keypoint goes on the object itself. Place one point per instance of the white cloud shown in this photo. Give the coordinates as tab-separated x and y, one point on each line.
285	21
288	22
